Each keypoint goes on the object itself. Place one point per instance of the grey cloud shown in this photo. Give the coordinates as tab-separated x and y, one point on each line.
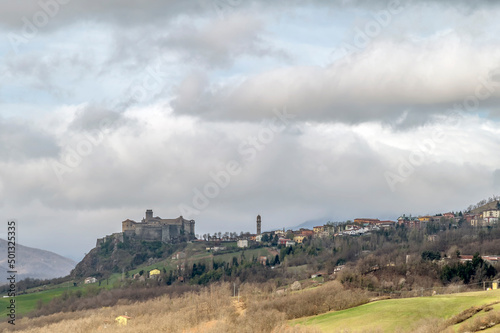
496	178
328	170
218	42
20	141
129	12
380	83
211	44
48	71
190	92
93	118
121	12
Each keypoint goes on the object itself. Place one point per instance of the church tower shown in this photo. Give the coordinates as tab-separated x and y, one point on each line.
259	223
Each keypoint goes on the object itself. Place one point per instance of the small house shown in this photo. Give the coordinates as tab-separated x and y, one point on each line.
318	229
299	239
282	241
242	243
90	280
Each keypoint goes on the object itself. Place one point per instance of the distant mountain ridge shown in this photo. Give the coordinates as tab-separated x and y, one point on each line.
34	263
309	224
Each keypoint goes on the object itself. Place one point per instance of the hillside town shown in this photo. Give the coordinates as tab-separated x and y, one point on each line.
484	216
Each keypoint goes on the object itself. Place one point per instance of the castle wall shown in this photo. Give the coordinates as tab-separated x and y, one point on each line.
165	234
175	231
117	237
148	233
188	227
128	225
129	233
99	242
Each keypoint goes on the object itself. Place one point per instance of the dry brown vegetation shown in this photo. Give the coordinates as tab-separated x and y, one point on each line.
330	296
211	309
470	324
492	318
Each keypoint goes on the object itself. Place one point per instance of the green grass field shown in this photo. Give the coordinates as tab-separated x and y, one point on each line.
402	315
26	303
248	253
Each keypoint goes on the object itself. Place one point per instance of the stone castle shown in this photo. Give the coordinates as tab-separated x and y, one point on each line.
158	229
154	229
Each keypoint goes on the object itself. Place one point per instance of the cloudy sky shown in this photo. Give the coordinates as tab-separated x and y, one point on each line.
219	110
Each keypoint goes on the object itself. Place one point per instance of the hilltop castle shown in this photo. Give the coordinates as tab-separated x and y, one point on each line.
158	229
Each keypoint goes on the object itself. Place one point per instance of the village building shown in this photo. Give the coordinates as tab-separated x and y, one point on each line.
490	217
90	280
242	243
299	239
411	221
486	218
318	229
448	215
280	232
286	242
386	224
306	232
366	222
477	221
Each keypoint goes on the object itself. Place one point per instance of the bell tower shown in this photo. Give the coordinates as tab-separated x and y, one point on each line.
149	214
259	223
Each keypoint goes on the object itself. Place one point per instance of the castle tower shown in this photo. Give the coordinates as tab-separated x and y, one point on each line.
259	223
149	214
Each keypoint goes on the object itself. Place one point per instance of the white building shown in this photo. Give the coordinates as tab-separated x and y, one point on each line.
90	280
243	243
491	217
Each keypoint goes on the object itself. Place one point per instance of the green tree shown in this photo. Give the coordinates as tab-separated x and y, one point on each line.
431	255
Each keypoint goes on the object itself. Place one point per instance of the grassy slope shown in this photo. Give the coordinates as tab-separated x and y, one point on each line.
201	256
28	302
404	314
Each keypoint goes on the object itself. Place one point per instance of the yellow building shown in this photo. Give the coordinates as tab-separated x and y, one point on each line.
154	272
425	218
299	239
319	229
